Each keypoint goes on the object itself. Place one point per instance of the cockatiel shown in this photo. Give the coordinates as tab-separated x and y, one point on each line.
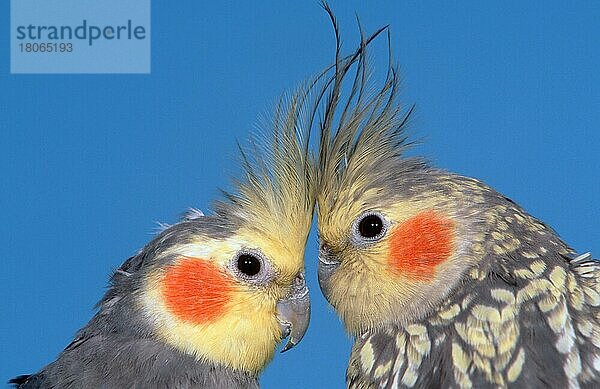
443	281
205	303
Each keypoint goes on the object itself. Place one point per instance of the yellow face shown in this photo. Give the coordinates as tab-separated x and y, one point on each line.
387	263
217	300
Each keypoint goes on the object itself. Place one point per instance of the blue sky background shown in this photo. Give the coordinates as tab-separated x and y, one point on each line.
508	93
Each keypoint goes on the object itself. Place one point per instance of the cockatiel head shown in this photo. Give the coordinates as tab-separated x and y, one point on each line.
207	301
387	237
230	291
443	281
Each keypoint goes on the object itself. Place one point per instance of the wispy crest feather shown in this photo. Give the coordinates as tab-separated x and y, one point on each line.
276	195
362	132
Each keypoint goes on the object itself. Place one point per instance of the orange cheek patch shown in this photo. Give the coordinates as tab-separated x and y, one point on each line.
196	290
421	243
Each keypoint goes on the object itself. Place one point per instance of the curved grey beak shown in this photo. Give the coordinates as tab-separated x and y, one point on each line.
293	313
328	264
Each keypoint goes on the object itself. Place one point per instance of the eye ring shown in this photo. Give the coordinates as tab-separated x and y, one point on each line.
251	266
369	227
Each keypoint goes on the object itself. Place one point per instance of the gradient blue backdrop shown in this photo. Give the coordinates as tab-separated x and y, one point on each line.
506	93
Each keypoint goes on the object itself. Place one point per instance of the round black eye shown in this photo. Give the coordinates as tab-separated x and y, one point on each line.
248	264
370	226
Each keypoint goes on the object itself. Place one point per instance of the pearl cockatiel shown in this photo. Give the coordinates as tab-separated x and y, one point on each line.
443	281
205	303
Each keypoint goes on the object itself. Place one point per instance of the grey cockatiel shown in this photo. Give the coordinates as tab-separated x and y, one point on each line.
443	282
205	303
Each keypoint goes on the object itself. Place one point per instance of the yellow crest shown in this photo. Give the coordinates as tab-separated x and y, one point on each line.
276	196
362	141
